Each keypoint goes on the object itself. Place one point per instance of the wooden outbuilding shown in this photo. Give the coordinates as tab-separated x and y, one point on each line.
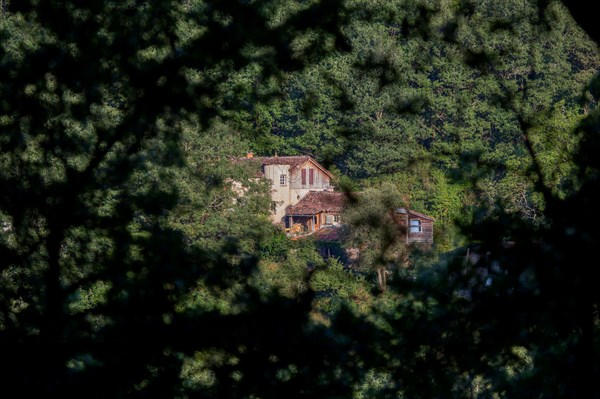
418	226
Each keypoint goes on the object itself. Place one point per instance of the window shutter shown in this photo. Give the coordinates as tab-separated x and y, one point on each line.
311	176
304	177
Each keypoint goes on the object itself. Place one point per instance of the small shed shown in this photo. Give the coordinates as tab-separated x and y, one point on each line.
418	226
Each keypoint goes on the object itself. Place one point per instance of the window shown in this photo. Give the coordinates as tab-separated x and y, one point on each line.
332	219
282	180
303	173
311	176
415	226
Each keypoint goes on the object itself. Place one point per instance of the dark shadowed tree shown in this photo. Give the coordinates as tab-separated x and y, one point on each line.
102	103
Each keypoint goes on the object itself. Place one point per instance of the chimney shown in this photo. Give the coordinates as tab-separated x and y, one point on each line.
250	155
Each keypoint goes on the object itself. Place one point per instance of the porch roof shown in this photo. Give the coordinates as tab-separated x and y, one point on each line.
316	202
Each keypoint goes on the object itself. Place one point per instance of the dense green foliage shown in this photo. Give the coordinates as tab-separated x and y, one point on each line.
136	253
410	107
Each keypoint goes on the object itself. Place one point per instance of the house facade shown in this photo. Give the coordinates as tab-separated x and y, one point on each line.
292	178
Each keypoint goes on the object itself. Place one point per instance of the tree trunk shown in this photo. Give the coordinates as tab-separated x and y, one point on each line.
381	279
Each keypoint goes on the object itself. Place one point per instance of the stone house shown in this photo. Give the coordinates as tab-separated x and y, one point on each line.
292	178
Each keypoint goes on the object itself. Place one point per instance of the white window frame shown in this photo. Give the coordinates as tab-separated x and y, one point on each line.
282	180
415	226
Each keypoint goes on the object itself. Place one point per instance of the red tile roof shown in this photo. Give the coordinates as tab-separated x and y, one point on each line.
293	161
316	202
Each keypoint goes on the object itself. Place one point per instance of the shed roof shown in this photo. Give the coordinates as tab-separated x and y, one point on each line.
414	213
316	202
